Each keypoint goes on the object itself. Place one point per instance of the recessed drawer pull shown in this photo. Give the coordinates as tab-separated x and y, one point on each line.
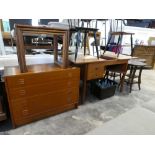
25	112
21	81
22	92
96	68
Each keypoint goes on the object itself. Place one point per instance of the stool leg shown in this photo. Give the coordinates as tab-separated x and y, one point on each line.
87	44
132	77
120	76
130	74
114	74
93	50
107	74
85	37
95	41
122	82
77	43
139	77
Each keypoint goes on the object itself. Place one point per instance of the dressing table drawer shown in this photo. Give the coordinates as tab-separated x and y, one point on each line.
95	71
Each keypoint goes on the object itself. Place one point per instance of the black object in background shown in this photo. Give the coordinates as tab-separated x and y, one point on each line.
46	21
19	21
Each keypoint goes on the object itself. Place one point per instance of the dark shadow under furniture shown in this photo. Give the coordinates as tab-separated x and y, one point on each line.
46	21
3	108
12	22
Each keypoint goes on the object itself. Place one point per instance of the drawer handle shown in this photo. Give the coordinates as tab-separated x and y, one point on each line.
22	92
25	112
96	68
21	81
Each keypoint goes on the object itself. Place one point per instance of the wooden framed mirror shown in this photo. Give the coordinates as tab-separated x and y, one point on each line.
24	40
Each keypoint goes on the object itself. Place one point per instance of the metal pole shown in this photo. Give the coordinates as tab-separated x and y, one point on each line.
105	33
2	49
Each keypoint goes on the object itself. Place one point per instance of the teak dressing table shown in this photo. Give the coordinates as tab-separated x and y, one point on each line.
92	68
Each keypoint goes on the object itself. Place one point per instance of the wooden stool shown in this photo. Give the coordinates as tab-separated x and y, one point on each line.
85	31
133	66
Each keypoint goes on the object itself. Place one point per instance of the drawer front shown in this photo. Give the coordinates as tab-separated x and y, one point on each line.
43	88
35	78
19	122
32	106
95	70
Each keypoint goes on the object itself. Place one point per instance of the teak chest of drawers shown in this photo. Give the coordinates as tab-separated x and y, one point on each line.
42	92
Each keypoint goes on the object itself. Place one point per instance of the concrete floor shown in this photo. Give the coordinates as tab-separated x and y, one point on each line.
94	112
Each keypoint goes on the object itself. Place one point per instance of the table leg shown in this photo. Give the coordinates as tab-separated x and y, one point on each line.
84	83
139	77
